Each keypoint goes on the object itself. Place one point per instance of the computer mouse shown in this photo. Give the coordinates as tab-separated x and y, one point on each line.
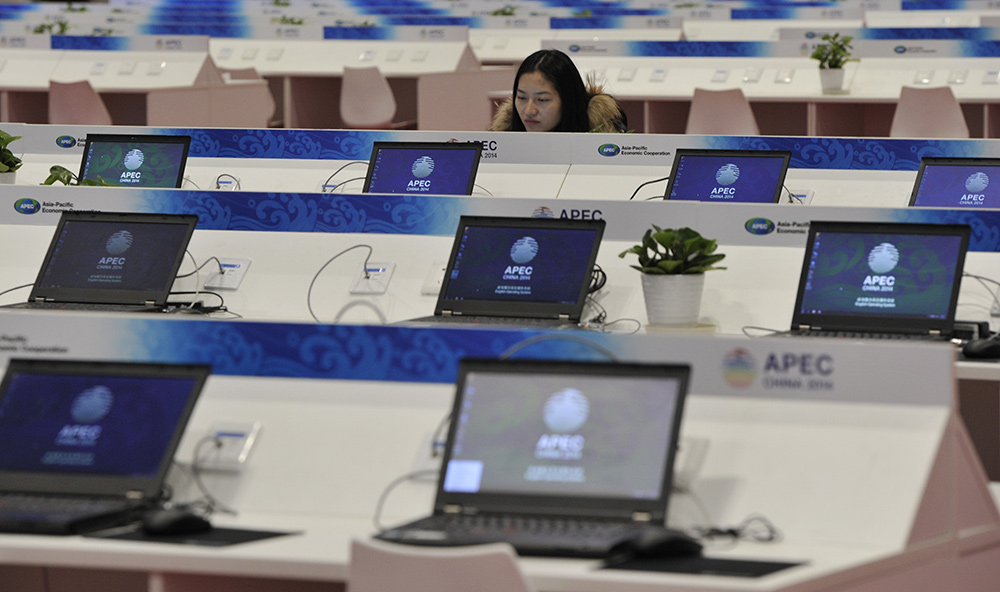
169	521
982	349
657	542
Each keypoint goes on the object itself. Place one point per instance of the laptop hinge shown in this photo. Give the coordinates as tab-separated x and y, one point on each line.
935	332
452	509
150	303
563	317
448	313
40	299
134	495
804	327
641	517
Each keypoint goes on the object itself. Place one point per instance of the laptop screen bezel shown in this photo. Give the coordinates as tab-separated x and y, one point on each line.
682	153
111	485
477	147
875	323
184	141
591	506
943	161
102	295
511	308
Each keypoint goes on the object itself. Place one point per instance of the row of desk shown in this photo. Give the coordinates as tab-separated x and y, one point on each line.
868	472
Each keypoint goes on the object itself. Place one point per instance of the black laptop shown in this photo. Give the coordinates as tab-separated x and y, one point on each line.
518	271
880	279
945	182
724	176
111	261
132	160
87	445
429	168
556	458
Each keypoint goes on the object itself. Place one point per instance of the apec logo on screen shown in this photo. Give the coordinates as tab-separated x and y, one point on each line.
975	185
116	246
726	176
421	169
133	160
524	250
564	413
88	408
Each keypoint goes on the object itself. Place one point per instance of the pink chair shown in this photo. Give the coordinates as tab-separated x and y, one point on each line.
721	112
378	566
928	113
76	103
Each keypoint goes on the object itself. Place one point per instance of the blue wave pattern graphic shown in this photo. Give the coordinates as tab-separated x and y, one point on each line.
698	48
985	224
878	154
285	143
355	352
312	212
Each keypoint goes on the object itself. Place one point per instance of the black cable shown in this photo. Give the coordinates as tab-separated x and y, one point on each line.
218	184
328	179
213	503
754	527
197	269
16	288
597	279
792	198
341	184
329	261
377	518
634	193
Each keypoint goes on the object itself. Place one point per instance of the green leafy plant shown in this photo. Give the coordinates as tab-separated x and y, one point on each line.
9	162
66	177
835	52
675	251
505	11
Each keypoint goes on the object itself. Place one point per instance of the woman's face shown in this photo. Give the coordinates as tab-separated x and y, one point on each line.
537	103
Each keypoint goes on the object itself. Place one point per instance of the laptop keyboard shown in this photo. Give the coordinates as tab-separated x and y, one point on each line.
529	535
864	335
510	321
84	306
50	505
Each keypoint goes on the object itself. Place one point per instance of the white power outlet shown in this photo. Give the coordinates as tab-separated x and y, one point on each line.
377	280
231	275
233	443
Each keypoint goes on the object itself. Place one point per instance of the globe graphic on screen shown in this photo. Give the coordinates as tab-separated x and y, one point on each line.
423	166
977	182
524	250
92	404
119	242
883	258
566	411
134	159
727	174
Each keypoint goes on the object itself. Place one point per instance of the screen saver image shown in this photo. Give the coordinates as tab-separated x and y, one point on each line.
113	255
881	274
135	163
520	264
566	435
727	178
82	424
954	186
423	170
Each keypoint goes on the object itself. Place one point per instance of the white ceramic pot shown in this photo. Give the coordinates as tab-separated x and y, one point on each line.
831	79
8	178
673	300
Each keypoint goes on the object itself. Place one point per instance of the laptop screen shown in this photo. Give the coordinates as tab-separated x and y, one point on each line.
881	276
520	266
109	421
957	183
743	176
114	257
135	160
432	168
565	433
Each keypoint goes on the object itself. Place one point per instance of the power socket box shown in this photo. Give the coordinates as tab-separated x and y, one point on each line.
231	275
232	445
377	280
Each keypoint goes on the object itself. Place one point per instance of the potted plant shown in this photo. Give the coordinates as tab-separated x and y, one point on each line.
673	263
66	177
832	55
9	162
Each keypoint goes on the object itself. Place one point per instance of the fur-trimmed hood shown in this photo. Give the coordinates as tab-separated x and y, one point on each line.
603	111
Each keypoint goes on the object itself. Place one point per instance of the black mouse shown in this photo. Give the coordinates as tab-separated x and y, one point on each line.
174	521
982	349
661	543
